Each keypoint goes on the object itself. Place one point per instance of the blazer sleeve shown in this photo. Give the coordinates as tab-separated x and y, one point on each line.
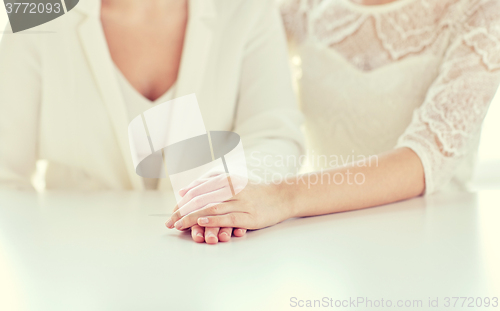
19	102
267	118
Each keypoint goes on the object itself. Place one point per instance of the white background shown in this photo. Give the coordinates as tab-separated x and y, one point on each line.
488	168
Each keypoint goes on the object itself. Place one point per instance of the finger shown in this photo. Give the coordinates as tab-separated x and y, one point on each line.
211	185
188	221
202	201
195	183
225	234
239	232
174	219
170	222
198	234
209	210
238	220
211	235
200	180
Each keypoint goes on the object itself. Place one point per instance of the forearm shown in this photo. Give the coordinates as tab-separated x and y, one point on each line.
396	175
20	85
265	160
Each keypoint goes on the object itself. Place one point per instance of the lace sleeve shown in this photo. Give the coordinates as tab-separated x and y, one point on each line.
443	129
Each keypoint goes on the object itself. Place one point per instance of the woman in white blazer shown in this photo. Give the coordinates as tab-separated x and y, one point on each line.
62	98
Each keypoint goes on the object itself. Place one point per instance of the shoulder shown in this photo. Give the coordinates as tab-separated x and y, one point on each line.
244	16
243	9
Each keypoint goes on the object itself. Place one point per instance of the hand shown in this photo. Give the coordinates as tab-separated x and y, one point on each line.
209	190
257	206
205	192
212	235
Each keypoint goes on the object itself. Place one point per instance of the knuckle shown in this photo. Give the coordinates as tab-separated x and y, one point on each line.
232	219
188	221
221	178
215	209
177	215
198	202
191	194
238	188
214	173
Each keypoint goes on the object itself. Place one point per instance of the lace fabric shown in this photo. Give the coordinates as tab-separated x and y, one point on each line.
464	35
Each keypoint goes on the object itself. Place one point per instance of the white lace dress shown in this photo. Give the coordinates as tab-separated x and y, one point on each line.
410	73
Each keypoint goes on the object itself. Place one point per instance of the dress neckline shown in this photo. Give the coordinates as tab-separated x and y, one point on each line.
377	7
164	97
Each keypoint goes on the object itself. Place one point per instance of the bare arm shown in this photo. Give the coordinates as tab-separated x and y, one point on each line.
397	175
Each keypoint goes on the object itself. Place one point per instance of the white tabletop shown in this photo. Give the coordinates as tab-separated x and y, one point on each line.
111	251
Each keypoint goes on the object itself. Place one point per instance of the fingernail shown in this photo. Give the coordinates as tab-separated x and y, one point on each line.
225	233
199	234
203	220
178	224
169	223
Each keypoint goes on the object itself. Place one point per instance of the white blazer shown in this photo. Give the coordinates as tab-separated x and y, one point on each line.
60	100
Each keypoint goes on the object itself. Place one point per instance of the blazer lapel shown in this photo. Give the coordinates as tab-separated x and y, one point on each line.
197	43
195	54
97	52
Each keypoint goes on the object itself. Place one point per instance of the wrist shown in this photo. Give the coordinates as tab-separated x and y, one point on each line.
287	195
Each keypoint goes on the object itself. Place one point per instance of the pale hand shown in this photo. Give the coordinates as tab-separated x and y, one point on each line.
187	205
257	206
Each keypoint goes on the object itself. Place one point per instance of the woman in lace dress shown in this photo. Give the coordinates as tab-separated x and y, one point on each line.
405	83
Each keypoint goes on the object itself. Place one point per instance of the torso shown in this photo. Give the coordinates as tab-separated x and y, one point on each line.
146	50
357	91
376	77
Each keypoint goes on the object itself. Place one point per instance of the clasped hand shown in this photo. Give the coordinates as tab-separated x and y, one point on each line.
208	206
